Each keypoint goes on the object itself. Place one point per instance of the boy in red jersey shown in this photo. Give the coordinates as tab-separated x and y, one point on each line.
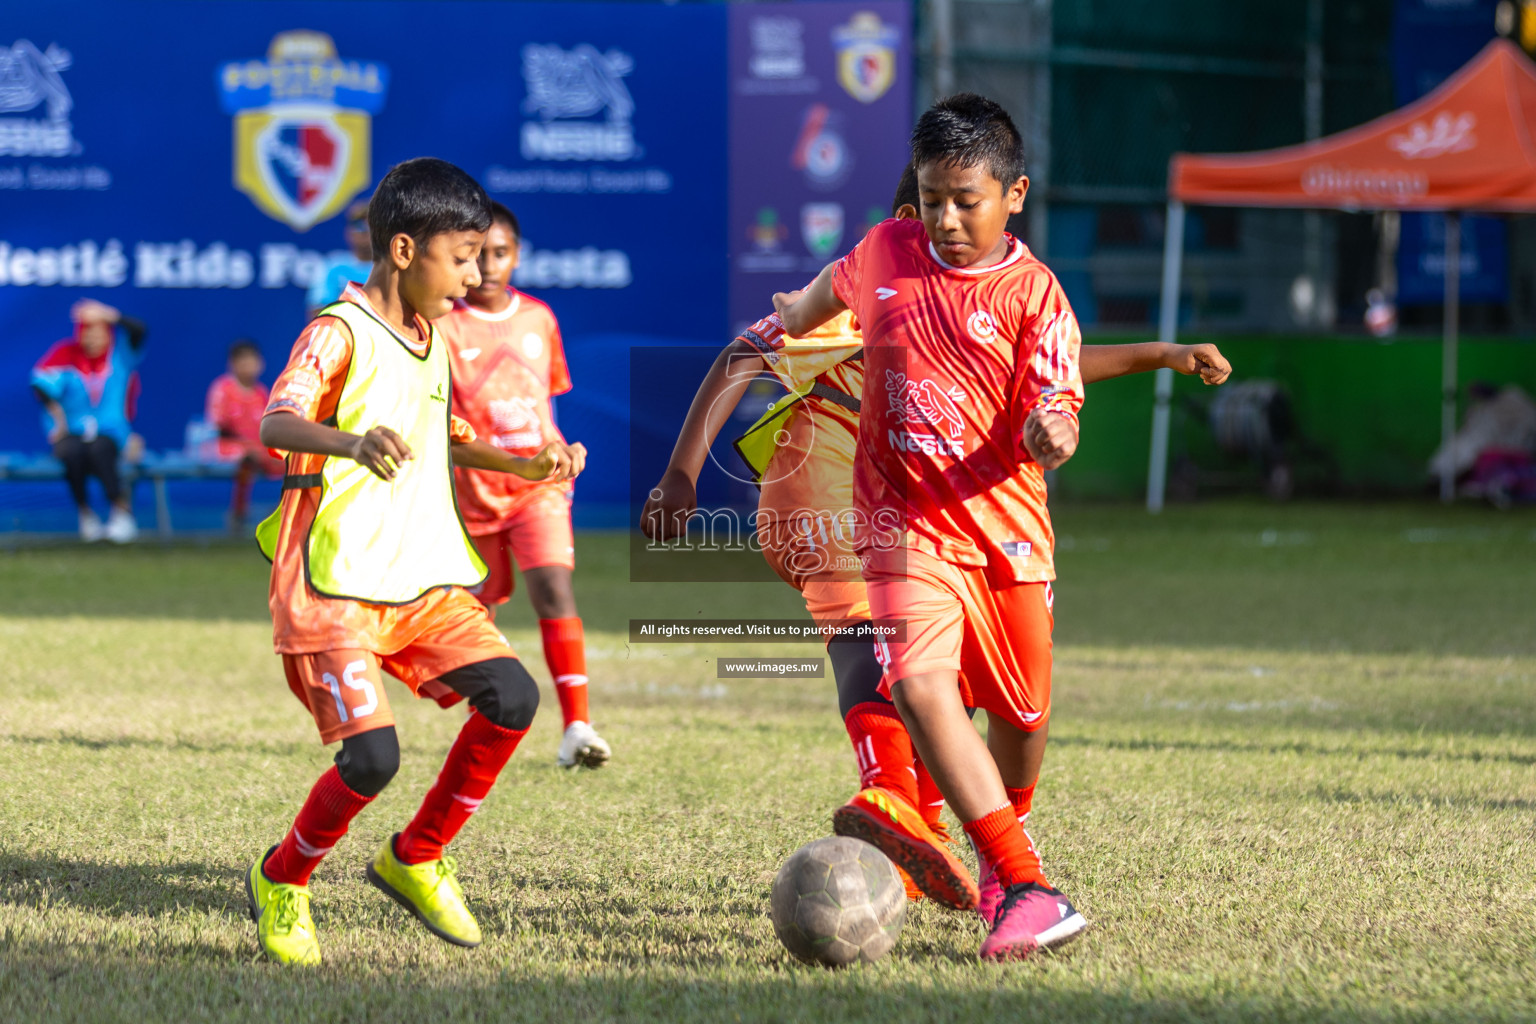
971	358
508	363
236	402
370	561
807	495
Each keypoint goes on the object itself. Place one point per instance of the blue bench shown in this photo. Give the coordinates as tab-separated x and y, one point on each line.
157	467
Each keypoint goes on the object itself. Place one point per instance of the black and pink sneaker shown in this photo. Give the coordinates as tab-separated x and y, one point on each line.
1031	917
991	890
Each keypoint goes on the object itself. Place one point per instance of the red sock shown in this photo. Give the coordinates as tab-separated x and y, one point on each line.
1022	800
998	838
469	773
322	821
565	652
931	800
240	495
883	748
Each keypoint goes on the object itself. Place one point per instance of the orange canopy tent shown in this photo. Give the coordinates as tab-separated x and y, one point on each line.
1468	145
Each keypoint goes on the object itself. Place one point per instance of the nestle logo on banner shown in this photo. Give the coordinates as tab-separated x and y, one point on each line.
30	78
1445	134
566	85
778	48
303	123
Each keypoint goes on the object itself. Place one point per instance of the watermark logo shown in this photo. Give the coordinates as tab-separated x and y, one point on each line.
866	56
568	87
30	78
303	121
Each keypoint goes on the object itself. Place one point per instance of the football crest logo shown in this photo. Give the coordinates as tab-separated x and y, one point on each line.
821	226
866	56
303	120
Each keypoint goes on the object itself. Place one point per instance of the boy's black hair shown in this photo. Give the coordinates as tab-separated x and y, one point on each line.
423	198
243	345
967	130
501	215
906	190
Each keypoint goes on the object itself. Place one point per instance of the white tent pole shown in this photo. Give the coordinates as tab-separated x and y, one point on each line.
1448	352
1167	332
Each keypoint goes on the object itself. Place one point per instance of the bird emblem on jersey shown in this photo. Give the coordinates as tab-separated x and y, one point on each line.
925	402
516	422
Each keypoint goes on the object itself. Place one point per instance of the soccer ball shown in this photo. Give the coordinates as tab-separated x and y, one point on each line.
838	900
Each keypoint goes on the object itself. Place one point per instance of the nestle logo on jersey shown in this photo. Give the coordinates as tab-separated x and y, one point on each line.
925	444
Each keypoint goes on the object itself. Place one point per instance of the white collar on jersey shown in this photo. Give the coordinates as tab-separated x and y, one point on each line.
489	317
357	295
1013	257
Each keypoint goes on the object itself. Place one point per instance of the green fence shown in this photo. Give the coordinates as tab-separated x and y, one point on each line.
1369	410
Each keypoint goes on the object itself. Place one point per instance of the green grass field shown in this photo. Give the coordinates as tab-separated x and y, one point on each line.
1292	777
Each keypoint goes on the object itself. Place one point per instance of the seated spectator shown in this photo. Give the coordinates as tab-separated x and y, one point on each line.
88	385
1493	455
327	287
236	401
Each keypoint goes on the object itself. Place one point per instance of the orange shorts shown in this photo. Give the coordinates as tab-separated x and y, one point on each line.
835	603
344	689
997	641
812	547
538	535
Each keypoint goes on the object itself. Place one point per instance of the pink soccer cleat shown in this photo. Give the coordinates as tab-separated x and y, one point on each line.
991	891
1031	917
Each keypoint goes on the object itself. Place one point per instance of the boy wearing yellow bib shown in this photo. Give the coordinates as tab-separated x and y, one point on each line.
370	560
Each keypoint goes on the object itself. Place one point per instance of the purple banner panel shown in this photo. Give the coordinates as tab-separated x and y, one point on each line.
821	107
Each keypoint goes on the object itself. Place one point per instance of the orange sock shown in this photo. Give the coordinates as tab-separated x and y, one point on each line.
883	748
1022	800
999	839
565	652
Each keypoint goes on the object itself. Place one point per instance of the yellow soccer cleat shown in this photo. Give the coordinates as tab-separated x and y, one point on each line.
430	891
284	928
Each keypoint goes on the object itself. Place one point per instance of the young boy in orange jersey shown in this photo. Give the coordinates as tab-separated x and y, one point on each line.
508	364
972	358
370	561
805	525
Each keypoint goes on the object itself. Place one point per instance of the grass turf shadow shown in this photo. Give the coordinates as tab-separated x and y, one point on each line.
61	984
120	890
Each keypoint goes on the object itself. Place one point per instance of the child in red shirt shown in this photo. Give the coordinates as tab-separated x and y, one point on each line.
971	359
508	364
236	401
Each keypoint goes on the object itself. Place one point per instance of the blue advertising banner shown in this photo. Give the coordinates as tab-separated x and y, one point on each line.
1431	39
820	111
189	163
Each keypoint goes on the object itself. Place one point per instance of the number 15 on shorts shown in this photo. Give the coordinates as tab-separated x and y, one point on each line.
352	677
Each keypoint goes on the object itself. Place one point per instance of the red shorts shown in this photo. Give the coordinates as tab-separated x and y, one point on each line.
538	535
998	642
344	689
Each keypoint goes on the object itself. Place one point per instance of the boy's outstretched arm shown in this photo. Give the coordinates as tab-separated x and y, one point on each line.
1101	362
806	310
380	449
674	497
554	462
